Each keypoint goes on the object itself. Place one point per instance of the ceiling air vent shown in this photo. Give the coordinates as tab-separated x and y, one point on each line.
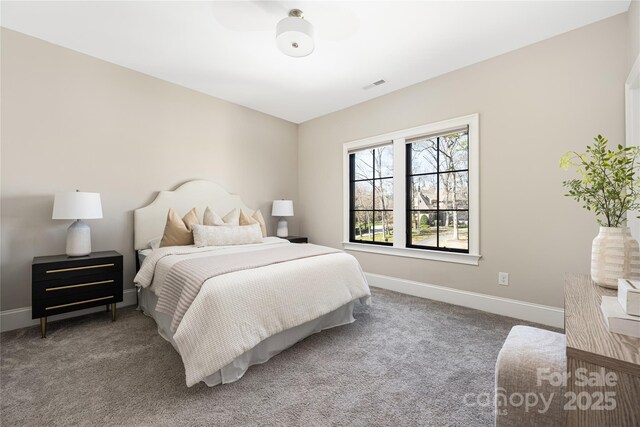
374	84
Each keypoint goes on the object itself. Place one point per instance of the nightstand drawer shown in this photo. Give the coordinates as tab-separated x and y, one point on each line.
76	268
63	304
297	239
76	286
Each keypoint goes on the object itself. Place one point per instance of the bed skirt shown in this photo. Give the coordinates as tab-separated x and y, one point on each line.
262	352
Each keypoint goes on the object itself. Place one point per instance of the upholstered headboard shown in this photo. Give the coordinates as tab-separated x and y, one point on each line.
149	221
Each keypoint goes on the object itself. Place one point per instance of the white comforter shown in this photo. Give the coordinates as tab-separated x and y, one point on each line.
234	312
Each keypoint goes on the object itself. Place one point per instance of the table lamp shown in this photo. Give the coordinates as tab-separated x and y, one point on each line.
282	208
77	206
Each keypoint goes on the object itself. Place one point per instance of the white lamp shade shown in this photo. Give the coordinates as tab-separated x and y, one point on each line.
77	205
282	208
295	37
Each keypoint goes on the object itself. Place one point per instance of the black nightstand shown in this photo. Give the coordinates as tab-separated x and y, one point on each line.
60	284
297	239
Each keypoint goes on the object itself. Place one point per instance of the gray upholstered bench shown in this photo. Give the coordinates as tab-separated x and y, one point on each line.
529	378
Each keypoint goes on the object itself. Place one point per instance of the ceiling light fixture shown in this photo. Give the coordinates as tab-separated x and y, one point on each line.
294	35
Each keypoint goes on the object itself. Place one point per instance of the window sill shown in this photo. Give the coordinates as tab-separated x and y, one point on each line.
454	257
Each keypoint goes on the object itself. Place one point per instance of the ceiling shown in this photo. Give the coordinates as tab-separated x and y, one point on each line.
228	49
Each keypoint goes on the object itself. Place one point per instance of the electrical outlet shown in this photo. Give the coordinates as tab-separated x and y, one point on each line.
503	279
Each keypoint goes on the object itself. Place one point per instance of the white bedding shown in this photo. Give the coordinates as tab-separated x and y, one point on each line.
165	258
235	312
261	352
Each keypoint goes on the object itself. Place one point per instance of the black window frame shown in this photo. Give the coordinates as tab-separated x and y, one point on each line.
352	195
408	195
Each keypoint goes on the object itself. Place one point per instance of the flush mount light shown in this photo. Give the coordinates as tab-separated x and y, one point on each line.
294	35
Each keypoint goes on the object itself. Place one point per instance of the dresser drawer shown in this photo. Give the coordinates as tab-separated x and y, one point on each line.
76	285
76	268
66	303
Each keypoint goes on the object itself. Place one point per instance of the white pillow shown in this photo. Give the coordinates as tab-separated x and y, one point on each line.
232	218
212	218
211	235
155	243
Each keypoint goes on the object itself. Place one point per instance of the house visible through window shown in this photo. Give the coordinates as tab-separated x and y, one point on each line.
371	189
438	191
414	192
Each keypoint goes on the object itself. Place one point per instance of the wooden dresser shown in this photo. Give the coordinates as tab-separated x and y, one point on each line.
60	284
610	360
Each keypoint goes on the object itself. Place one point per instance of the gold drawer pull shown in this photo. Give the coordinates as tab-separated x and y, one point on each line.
57	288
76	303
87	267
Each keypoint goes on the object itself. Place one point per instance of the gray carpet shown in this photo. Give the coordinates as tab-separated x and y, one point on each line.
406	361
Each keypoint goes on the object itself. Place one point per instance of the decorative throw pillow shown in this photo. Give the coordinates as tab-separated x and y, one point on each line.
232	218
177	232
257	215
206	235
246	220
212	218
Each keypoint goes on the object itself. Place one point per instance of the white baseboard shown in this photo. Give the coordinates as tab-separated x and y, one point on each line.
21	317
543	314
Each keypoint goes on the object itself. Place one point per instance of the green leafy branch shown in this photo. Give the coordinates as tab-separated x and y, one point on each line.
607	184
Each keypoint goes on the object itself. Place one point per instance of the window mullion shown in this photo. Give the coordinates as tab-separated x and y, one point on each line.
373	192
399	196
438	192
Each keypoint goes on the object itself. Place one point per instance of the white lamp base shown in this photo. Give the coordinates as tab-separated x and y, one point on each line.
78	239
283	228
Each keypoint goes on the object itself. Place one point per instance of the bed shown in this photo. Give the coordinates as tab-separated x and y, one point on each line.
226	308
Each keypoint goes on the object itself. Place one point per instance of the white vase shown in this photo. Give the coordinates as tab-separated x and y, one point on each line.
615	254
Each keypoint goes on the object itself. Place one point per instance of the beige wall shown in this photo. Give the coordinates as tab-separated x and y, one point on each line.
534	104
633	18
72	121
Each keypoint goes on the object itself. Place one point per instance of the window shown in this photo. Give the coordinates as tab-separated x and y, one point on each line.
438	191
415	192
371	189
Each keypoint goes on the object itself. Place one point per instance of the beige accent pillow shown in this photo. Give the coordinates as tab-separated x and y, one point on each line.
257	215
246	220
206	235
177	232
212	218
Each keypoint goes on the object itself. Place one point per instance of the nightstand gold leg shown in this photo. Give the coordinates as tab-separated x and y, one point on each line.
107	308
43	327
113	312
